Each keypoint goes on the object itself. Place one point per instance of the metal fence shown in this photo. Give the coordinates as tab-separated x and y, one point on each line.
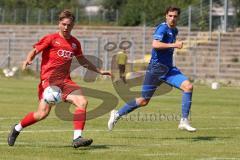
40	16
198	17
13	51
202	58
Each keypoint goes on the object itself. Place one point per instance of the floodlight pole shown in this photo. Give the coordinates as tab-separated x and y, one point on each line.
218	54
210	19
8	54
144	36
225	15
27	16
77	15
3	16
39	16
189	23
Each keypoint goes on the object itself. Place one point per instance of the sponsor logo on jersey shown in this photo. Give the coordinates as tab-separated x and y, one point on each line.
58	43
170	34
74	46
65	54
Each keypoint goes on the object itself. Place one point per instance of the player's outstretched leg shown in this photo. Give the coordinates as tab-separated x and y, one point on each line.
12	136
29	119
127	108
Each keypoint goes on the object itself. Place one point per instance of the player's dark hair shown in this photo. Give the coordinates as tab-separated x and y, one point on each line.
172	9
66	14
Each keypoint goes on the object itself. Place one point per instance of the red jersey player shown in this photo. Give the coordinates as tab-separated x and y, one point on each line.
57	50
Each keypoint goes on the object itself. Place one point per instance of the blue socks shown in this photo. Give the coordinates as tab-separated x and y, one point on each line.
128	107
186	103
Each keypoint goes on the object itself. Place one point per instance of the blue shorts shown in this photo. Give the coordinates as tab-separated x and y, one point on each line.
156	74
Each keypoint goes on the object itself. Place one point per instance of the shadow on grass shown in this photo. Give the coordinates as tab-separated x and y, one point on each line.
99	146
108	146
197	138
93	147
203	138
59	146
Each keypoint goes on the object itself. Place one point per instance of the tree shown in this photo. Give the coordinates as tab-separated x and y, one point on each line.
136	12
27	11
113	5
236	5
131	13
42	4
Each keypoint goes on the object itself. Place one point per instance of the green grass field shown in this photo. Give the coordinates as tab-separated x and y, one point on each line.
148	133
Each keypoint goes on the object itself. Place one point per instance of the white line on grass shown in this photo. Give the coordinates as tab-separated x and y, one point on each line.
119	130
160	154
18	118
216	117
218	158
105	117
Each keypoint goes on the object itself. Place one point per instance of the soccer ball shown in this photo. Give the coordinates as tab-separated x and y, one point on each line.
52	95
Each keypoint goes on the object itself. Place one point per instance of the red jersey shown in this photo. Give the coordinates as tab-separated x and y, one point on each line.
57	54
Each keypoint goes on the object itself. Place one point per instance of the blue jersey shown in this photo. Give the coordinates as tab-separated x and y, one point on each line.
166	35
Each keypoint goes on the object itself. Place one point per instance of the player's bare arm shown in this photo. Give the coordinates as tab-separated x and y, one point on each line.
30	57
87	64
160	45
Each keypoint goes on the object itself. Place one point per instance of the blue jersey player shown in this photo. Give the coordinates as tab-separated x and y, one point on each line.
161	69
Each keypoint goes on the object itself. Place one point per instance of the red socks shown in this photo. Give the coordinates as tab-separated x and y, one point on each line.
28	120
79	119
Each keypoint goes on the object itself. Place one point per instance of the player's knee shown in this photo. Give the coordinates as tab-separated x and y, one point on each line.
40	115
142	101
188	87
81	102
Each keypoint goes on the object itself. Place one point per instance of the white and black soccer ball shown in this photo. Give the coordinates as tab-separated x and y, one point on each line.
52	95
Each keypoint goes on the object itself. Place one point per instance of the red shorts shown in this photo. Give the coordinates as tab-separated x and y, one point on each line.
67	86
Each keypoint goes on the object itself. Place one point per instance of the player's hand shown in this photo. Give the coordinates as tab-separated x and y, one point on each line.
107	73
25	64
178	44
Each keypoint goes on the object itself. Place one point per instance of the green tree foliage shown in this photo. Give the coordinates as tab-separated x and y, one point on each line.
236	4
29	11
41	4
113	4
131	13
136	12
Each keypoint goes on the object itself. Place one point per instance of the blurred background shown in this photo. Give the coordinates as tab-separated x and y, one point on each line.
210	30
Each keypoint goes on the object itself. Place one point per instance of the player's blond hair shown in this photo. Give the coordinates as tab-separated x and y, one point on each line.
66	14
